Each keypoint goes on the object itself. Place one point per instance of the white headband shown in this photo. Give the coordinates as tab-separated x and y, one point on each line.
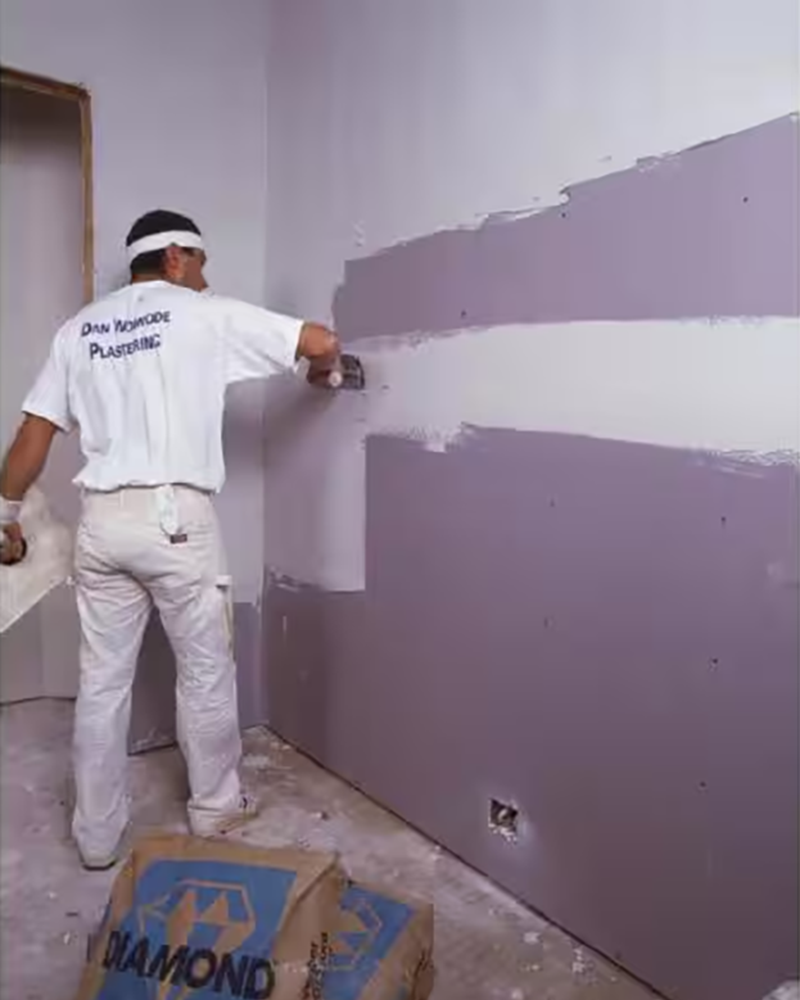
160	241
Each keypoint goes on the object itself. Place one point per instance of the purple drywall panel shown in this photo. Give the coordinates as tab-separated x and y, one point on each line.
315	649
711	231
604	635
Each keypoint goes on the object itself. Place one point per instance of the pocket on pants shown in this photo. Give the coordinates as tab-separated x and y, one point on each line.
195	512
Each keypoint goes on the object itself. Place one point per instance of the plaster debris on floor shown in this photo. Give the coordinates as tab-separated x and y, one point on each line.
487	945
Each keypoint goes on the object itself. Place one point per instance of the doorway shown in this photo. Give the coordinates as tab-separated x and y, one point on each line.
46	275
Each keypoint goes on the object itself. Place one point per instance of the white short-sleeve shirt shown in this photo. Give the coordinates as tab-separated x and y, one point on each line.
143	373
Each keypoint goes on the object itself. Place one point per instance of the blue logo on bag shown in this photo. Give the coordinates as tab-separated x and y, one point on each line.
203	930
376	924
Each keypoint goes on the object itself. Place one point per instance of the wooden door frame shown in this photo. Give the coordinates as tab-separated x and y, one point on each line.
69	92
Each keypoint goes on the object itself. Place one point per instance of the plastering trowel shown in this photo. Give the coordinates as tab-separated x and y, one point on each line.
348	374
44	561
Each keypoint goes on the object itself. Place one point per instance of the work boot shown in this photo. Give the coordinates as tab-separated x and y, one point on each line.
216	826
102	862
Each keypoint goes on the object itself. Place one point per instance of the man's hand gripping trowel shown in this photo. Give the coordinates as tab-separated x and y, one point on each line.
35	557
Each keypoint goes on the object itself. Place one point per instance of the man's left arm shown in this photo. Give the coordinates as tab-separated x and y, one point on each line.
22	466
46	411
26	458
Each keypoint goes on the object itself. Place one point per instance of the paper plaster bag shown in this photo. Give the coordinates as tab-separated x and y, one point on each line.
194	919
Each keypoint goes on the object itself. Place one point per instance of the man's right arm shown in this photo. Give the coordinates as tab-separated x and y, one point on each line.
320	347
317	343
260	343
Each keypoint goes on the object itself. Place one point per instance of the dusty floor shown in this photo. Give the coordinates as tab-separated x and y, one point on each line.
487	945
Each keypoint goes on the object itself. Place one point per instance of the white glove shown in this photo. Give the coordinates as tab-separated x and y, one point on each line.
9	511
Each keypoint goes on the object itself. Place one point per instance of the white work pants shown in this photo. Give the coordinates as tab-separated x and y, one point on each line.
125	562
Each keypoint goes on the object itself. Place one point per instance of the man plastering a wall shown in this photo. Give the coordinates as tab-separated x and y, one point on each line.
143	373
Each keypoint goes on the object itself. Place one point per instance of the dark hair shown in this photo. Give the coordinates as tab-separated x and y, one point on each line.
159	221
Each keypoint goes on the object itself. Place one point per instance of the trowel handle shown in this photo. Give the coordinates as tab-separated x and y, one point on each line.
336	376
